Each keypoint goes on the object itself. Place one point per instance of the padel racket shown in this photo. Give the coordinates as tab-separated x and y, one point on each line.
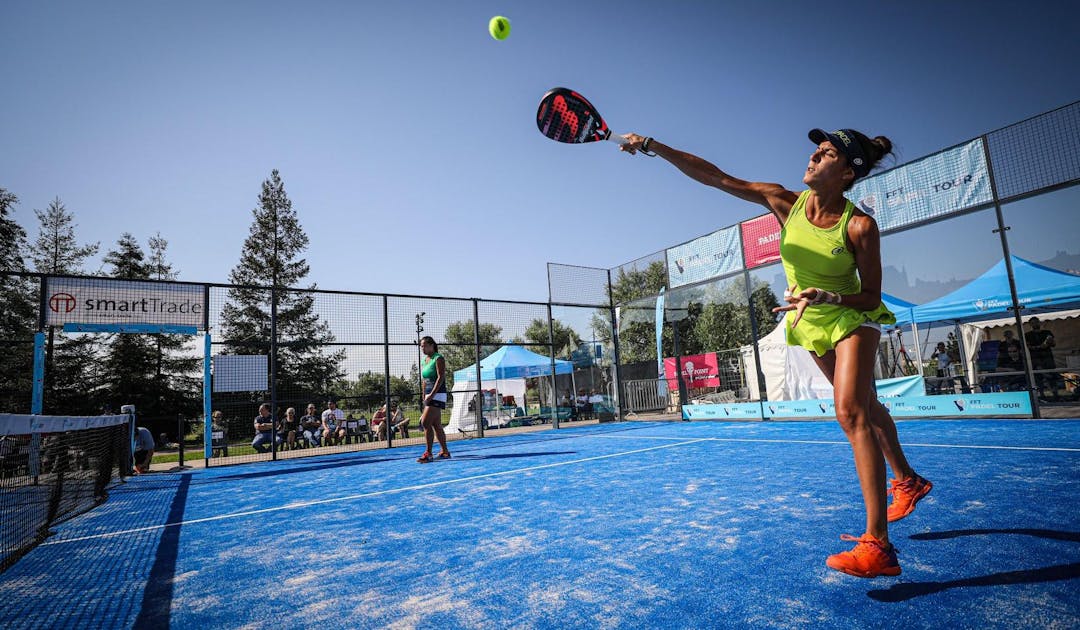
566	116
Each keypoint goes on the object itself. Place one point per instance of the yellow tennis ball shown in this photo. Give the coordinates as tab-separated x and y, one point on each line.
499	27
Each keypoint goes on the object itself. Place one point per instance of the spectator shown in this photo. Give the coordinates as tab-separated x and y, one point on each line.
333	424
585	408
379	423
144	450
264	430
289	427
1010	353
1040	345
944	361
219	441
1011	359
312	427
398	420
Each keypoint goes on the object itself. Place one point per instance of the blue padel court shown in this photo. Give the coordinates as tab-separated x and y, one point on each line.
627	525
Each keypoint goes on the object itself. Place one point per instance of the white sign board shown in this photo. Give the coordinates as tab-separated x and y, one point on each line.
240	373
99	301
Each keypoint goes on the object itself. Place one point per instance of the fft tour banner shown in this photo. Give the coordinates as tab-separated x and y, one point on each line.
998	404
97	301
706	257
934	186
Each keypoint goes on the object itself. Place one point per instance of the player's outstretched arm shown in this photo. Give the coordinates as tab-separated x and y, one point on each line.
774	197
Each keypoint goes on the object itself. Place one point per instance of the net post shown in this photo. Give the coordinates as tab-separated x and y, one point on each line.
129	452
37	396
180	436
207	410
36	403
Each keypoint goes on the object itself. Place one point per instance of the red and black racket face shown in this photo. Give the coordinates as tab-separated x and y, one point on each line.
566	116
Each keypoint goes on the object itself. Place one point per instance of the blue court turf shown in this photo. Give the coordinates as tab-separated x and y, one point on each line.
639	525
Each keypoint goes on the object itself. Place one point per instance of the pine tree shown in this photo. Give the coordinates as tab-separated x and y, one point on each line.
177	376
72	366
18	313
56	250
271	257
131	361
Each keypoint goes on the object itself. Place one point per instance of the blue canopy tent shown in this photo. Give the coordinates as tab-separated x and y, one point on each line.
1038	289
901	308
508	363
513	362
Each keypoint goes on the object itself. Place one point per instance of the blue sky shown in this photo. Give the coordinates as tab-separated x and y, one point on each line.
406	139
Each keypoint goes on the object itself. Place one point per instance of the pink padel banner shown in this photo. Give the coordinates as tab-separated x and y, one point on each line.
698	370
761	240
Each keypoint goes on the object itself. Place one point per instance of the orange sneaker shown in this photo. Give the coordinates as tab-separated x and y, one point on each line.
870	558
906	494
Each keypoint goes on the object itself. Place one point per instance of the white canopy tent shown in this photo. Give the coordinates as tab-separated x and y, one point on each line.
790	372
1066	335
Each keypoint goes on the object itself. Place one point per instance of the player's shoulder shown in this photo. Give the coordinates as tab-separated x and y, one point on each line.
861	223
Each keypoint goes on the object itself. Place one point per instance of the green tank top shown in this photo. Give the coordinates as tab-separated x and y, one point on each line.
429	372
822	258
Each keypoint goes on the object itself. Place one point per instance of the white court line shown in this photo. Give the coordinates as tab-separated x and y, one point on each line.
365	495
905	444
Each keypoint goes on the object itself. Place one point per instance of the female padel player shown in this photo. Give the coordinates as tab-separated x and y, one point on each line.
831	253
433	372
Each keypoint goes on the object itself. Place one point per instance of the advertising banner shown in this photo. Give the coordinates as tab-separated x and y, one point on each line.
724	411
698	370
660	316
901	386
761	240
99	301
706	257
934	186
992	404
998	404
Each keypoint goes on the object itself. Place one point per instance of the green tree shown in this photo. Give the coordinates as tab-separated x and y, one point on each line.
72	361
271	257
633	293
129	364
458	346
56	250
368	391
178	380
566	339
18	313
638	283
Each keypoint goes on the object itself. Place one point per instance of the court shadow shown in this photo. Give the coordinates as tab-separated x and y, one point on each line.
513	455
158	596
1039	533
301	467
1055	573
909	590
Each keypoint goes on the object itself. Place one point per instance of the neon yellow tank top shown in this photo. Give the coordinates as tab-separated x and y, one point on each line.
822	258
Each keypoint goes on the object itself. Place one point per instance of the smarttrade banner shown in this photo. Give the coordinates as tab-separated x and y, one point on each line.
706	257
98	301
934	186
